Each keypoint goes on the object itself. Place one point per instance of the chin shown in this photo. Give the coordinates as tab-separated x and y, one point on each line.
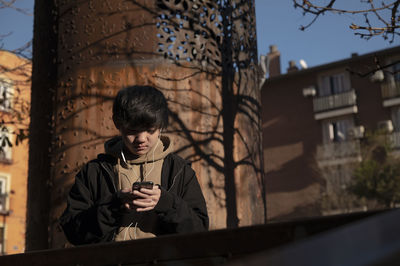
141	152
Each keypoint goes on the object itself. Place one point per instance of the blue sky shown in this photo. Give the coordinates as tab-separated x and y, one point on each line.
327	40
18	27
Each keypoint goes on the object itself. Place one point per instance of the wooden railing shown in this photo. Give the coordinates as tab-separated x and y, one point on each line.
208	248
335	101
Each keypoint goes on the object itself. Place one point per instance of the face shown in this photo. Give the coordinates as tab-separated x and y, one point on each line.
140	142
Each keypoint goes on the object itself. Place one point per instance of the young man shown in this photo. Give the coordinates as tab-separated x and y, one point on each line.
102	206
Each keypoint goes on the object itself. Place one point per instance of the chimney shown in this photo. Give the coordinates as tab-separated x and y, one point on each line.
274	58
292	66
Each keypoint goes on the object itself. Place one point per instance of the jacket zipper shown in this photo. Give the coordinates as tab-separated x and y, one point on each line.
110	175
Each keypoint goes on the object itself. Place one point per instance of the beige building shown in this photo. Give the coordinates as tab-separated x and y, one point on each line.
313	120
14	109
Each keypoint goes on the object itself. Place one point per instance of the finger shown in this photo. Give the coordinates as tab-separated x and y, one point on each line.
140	194
154	190
147	191
144	203
144	209
148	198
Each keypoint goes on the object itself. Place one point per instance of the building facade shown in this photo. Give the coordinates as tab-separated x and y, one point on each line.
313	121
14	111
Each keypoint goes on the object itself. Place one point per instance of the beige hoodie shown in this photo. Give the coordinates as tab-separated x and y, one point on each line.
144	168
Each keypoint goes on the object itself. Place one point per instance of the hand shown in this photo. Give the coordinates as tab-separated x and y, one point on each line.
146	199
126	196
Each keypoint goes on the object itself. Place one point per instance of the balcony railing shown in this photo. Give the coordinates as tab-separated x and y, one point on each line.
335	101
342	151
390	90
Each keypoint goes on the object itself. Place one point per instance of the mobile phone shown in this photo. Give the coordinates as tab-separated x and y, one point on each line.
144	184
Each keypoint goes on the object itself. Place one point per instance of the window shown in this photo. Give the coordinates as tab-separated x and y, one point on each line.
336	130
396	72
392	76
3	193
2	240
5	94
395	111
5	145
334	84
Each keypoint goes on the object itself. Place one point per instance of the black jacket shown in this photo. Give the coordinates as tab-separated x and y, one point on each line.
94	212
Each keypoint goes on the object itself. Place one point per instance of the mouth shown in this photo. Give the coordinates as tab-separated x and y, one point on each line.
140	148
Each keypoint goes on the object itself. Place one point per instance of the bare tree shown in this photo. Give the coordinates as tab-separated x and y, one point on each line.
385	21
16	107
380	18
25	49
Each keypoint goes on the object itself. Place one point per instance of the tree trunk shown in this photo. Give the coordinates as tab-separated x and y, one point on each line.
229	116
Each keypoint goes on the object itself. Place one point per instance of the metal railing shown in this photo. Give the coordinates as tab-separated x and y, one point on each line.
335	101
390	90
338	150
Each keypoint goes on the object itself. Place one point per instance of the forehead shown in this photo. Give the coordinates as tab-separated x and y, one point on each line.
130	130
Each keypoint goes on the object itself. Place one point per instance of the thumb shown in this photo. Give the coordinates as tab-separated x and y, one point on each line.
126	190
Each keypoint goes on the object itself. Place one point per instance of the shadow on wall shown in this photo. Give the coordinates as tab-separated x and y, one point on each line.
293	175
204	58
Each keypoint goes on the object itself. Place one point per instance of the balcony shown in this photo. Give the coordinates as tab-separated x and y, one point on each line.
335	105
391	93
338	153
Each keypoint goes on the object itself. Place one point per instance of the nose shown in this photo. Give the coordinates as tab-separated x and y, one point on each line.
141	137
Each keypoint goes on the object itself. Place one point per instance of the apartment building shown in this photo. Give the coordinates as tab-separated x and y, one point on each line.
14	115
313	120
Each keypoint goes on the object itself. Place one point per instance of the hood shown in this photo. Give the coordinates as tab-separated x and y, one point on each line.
114	146
162	148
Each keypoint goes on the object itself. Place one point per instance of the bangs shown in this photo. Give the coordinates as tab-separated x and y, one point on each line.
140	120
140	108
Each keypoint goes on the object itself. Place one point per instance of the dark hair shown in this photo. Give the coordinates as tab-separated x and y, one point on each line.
140	108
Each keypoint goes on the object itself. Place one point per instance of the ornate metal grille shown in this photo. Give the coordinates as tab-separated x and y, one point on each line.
209	34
